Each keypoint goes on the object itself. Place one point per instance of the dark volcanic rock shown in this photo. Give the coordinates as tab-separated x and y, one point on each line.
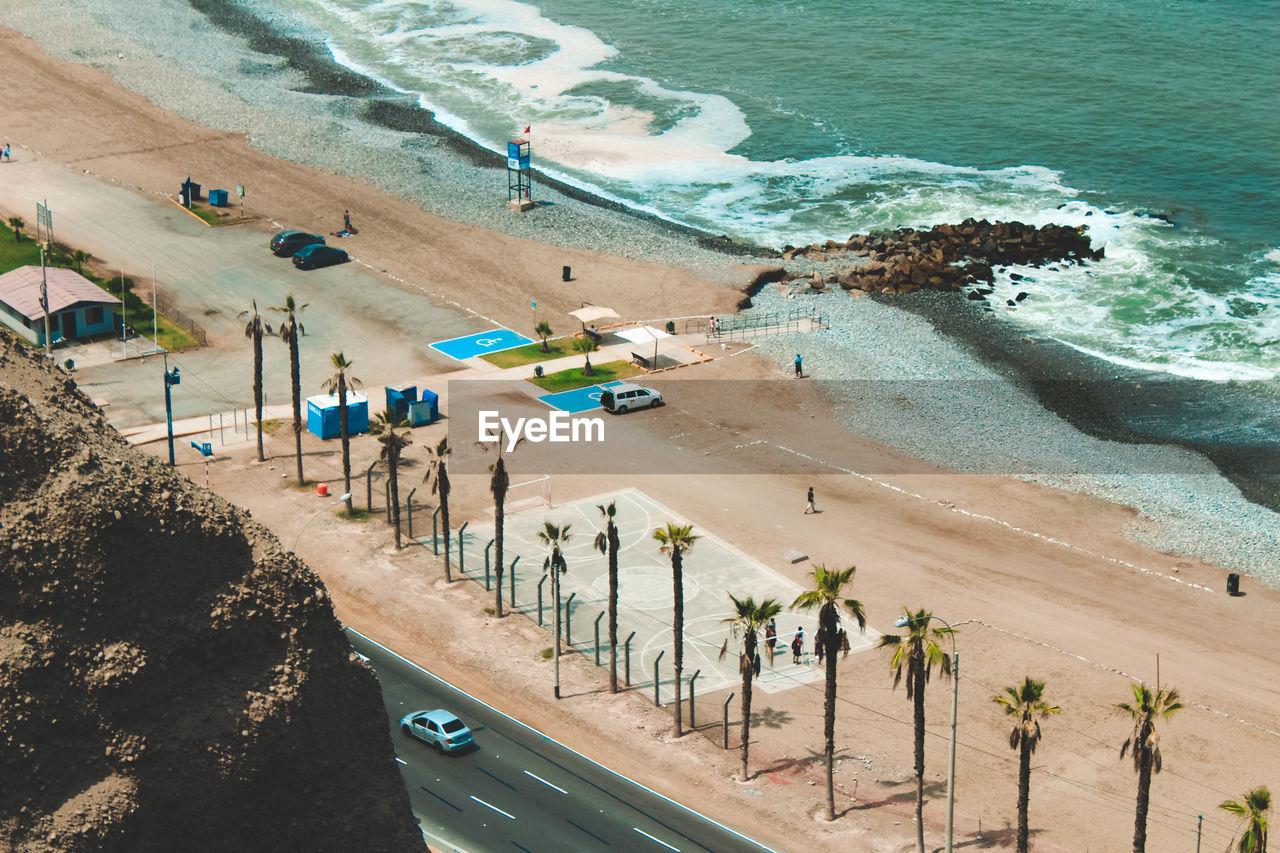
947	257
170	677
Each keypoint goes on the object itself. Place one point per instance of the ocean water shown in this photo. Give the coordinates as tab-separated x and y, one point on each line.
1153	122
789	123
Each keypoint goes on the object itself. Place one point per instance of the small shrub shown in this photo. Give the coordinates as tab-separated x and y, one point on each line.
547	653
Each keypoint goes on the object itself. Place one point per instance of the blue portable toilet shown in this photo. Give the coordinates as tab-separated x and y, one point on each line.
400	396
218	198
426	410
323	418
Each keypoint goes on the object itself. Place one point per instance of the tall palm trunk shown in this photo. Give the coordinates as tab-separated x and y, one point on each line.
443	489
1024	793
826	636
917	676
499	488
677	582
295	375
555	596
346	440
748	672
1144	796
257	386
613	607
393	466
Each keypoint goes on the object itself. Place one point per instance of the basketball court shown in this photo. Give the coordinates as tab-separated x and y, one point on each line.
712	570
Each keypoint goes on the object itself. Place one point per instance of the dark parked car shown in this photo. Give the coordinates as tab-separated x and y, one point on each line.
318	255
286	243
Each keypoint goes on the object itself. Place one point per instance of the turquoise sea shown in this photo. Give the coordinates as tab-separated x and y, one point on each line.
792	122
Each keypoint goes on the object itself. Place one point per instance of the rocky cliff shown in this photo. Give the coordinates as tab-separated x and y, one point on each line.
170	677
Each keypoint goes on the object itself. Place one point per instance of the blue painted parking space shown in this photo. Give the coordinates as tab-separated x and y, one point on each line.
480	344
577	400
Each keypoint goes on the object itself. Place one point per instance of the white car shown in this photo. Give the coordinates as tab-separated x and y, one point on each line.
624	397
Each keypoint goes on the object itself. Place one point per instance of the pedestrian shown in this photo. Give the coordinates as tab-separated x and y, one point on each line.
771	638
797	646
346	221
810	508
6	152
799	367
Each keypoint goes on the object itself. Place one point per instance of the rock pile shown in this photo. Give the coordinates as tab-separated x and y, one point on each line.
171	678
946	257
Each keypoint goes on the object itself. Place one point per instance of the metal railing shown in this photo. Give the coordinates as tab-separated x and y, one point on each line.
740	327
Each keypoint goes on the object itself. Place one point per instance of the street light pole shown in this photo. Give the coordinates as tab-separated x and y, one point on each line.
171	378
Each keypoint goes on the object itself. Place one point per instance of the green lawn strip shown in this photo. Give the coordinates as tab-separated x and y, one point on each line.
567	380
530	353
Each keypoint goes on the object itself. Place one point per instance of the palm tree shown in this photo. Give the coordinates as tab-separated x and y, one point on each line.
828	587
555	537
749	618
1253	808
440	486
253	331
607	543
1027	704
78	257
676	540
586	346
289	334
392	432
543	330
339	382
16	223
1145	744
499	482
916	654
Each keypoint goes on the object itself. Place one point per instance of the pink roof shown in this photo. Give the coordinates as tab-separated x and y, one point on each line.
20	290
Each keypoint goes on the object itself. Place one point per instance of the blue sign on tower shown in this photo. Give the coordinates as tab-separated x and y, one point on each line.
519	181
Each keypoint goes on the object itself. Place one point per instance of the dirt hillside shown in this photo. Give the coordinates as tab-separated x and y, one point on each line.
170	677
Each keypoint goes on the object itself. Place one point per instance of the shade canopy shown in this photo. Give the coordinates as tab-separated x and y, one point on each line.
591	313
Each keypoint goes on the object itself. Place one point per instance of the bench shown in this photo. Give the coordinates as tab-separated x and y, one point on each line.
641	360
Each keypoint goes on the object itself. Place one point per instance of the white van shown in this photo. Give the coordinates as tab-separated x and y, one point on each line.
625	396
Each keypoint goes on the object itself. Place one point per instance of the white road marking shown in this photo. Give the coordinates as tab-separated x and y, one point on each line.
501	812
401	760
651	838
545	782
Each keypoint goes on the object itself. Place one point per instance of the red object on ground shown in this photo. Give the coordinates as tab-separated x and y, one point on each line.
323	490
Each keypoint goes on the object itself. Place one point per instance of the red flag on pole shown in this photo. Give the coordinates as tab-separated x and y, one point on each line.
528	128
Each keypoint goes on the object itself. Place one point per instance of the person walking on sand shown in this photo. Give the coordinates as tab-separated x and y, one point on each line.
346	221
799	366
6	153
810	508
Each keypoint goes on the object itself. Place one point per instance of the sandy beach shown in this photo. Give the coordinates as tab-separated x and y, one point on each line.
1037	581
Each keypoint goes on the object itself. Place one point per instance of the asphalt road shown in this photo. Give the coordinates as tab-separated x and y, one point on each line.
519	789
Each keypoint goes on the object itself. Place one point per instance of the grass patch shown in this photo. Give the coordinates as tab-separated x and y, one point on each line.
359	515
547	653
137	313
574	377
531	353
271	426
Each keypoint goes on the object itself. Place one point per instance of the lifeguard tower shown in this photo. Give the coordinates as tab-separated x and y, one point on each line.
519	179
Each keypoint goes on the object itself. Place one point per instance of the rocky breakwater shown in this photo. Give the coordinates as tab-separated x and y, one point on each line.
946	257
171	678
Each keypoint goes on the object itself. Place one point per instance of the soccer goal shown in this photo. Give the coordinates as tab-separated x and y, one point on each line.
531	494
